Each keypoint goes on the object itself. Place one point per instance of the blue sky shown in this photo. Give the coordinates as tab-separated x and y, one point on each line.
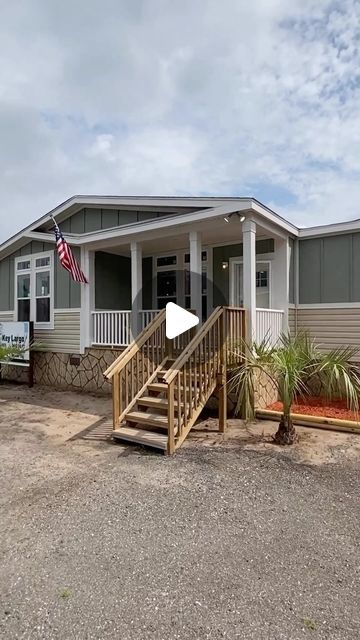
181	97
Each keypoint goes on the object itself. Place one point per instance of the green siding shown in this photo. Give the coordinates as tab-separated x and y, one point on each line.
109	218
329	269
6	285
309	271
221	276
292	272
66	292
355	272
335	271
112	281
93	219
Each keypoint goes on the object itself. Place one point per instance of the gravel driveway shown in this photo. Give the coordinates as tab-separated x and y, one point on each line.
100	541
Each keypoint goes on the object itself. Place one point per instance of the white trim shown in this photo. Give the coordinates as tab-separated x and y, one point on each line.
330	305
7	313
32	271
195	273
69	310
136	287
87	297
330	229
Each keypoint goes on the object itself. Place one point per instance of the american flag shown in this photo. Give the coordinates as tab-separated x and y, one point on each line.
67	258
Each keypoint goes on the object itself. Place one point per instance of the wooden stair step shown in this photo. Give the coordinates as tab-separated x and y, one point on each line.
140	436
153	419
152	401
162	387
157	386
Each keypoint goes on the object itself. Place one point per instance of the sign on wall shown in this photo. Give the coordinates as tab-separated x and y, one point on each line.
16	334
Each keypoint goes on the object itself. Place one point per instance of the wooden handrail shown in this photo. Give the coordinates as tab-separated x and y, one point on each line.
135	346
193	344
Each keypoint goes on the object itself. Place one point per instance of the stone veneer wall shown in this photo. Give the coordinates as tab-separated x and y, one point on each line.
54	370
265	391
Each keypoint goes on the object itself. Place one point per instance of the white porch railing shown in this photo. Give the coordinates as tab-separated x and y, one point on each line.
146	316
111	328
269	325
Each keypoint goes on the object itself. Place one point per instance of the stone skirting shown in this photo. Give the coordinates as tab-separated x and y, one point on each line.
265	391
55	370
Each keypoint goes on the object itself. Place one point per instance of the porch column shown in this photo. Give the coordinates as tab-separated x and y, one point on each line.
249	275
281	277
87	297
136	287
195	272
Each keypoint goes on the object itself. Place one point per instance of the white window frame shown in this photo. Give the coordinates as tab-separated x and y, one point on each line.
33	270
180	267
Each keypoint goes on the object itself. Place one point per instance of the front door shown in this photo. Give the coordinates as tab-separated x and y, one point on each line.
262	284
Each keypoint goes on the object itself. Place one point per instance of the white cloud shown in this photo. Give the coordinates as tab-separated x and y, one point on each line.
182	97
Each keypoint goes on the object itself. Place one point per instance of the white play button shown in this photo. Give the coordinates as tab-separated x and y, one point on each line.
178	320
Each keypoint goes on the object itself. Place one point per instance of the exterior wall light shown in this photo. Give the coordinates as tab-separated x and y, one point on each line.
224	264
234	213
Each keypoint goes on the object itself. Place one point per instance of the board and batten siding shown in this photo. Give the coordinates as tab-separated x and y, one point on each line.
329	269
94	219
66	291
65	336
331	327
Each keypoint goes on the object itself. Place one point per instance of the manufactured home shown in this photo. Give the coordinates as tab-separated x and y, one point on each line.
229	256
138	252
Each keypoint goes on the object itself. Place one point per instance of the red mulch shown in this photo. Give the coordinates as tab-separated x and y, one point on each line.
318	406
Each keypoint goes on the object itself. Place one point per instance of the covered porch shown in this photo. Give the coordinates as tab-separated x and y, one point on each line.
236	261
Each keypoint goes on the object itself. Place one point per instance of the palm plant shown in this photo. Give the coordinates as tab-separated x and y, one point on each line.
293	365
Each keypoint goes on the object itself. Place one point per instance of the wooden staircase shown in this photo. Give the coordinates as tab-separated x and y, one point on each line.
160	388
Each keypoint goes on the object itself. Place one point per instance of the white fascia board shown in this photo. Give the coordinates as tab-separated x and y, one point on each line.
271	229
330	229
71	238
274	218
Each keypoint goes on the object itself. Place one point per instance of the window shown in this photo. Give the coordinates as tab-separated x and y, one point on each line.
24	264
34	289
166	288
42	262
172	281
262	278
166	261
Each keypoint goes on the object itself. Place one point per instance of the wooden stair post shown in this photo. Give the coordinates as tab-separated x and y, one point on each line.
116	401
221	378
171	425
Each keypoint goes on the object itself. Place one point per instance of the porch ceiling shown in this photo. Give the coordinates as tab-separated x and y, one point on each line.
213	232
